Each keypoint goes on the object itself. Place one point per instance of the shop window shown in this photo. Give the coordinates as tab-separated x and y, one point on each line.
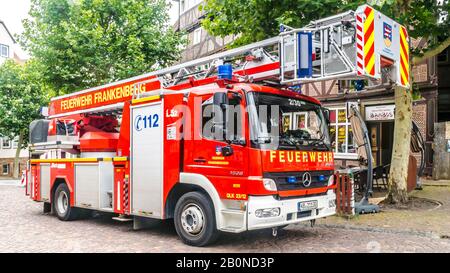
341	134
5	168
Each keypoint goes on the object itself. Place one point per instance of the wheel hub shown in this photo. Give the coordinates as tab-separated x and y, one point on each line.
62	202
192	219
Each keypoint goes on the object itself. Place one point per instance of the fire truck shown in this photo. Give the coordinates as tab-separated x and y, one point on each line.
224	143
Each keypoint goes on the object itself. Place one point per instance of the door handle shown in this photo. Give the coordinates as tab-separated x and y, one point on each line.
200	160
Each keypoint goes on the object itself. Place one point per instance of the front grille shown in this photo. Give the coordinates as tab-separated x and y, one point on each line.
281	179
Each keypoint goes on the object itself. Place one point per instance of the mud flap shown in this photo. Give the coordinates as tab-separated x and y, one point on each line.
144	223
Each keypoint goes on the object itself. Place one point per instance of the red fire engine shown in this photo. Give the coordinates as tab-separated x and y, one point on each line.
223	143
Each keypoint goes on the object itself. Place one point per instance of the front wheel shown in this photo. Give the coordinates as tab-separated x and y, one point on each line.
61	204
195	220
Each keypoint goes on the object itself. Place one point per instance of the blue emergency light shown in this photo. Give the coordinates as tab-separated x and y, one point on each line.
292	179
225	71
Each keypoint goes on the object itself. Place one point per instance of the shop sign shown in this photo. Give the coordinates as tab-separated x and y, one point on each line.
380	112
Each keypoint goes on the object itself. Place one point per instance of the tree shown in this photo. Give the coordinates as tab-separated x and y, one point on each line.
85	43
424	19
21	96
255	20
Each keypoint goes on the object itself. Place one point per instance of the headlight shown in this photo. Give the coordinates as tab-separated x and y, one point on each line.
269	184
272	212
331	180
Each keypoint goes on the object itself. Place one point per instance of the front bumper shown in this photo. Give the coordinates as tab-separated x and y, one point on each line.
289	214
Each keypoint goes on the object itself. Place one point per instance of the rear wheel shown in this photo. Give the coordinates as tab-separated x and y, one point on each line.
61	204
195	220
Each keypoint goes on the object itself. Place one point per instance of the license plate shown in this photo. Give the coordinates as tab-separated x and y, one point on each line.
307	205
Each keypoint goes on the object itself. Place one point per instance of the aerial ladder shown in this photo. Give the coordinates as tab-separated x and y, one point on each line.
358	45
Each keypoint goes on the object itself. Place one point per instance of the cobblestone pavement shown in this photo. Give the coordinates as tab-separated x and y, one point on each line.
24	228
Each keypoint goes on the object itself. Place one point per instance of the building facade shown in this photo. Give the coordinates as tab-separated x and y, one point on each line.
8	146
200	43
7	43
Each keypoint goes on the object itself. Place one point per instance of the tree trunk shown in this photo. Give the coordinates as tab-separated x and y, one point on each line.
16	158
397	183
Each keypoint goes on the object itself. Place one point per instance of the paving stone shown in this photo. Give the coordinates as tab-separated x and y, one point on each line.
24	228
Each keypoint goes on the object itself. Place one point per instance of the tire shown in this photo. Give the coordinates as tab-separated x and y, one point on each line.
61	204
195	220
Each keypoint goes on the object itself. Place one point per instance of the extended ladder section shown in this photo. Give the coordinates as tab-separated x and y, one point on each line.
361	44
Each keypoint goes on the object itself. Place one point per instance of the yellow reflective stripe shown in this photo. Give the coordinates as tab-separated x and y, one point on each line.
370	64
369	44
404	58
120	158
67	160
218	162
150	98
369	20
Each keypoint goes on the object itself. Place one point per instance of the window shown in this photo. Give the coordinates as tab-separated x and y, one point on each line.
341	133
302	123
4	51
197	36
186	5
232	131
5	169
6	143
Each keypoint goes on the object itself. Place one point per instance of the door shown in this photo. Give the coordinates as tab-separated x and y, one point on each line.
147	160
374	135
381	138
205	155
387	142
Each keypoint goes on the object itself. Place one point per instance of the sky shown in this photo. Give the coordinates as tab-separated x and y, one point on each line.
12	12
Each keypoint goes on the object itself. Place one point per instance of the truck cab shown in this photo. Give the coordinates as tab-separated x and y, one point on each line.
265	150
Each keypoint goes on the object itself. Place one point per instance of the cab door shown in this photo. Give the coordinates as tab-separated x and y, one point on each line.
224	160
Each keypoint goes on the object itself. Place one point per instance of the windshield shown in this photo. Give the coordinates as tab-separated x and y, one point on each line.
285	123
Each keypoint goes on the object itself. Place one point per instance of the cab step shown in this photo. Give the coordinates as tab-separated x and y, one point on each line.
233	211
233	229
122	218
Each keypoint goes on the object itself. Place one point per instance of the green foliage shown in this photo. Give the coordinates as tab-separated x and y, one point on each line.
256	20
22	94
424	19
85	43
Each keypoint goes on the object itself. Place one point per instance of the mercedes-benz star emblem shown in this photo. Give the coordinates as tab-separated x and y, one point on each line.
306	179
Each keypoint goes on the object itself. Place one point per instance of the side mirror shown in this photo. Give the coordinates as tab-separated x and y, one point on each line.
220	99
220	102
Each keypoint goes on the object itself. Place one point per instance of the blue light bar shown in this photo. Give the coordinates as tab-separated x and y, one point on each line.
292	179
225	71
